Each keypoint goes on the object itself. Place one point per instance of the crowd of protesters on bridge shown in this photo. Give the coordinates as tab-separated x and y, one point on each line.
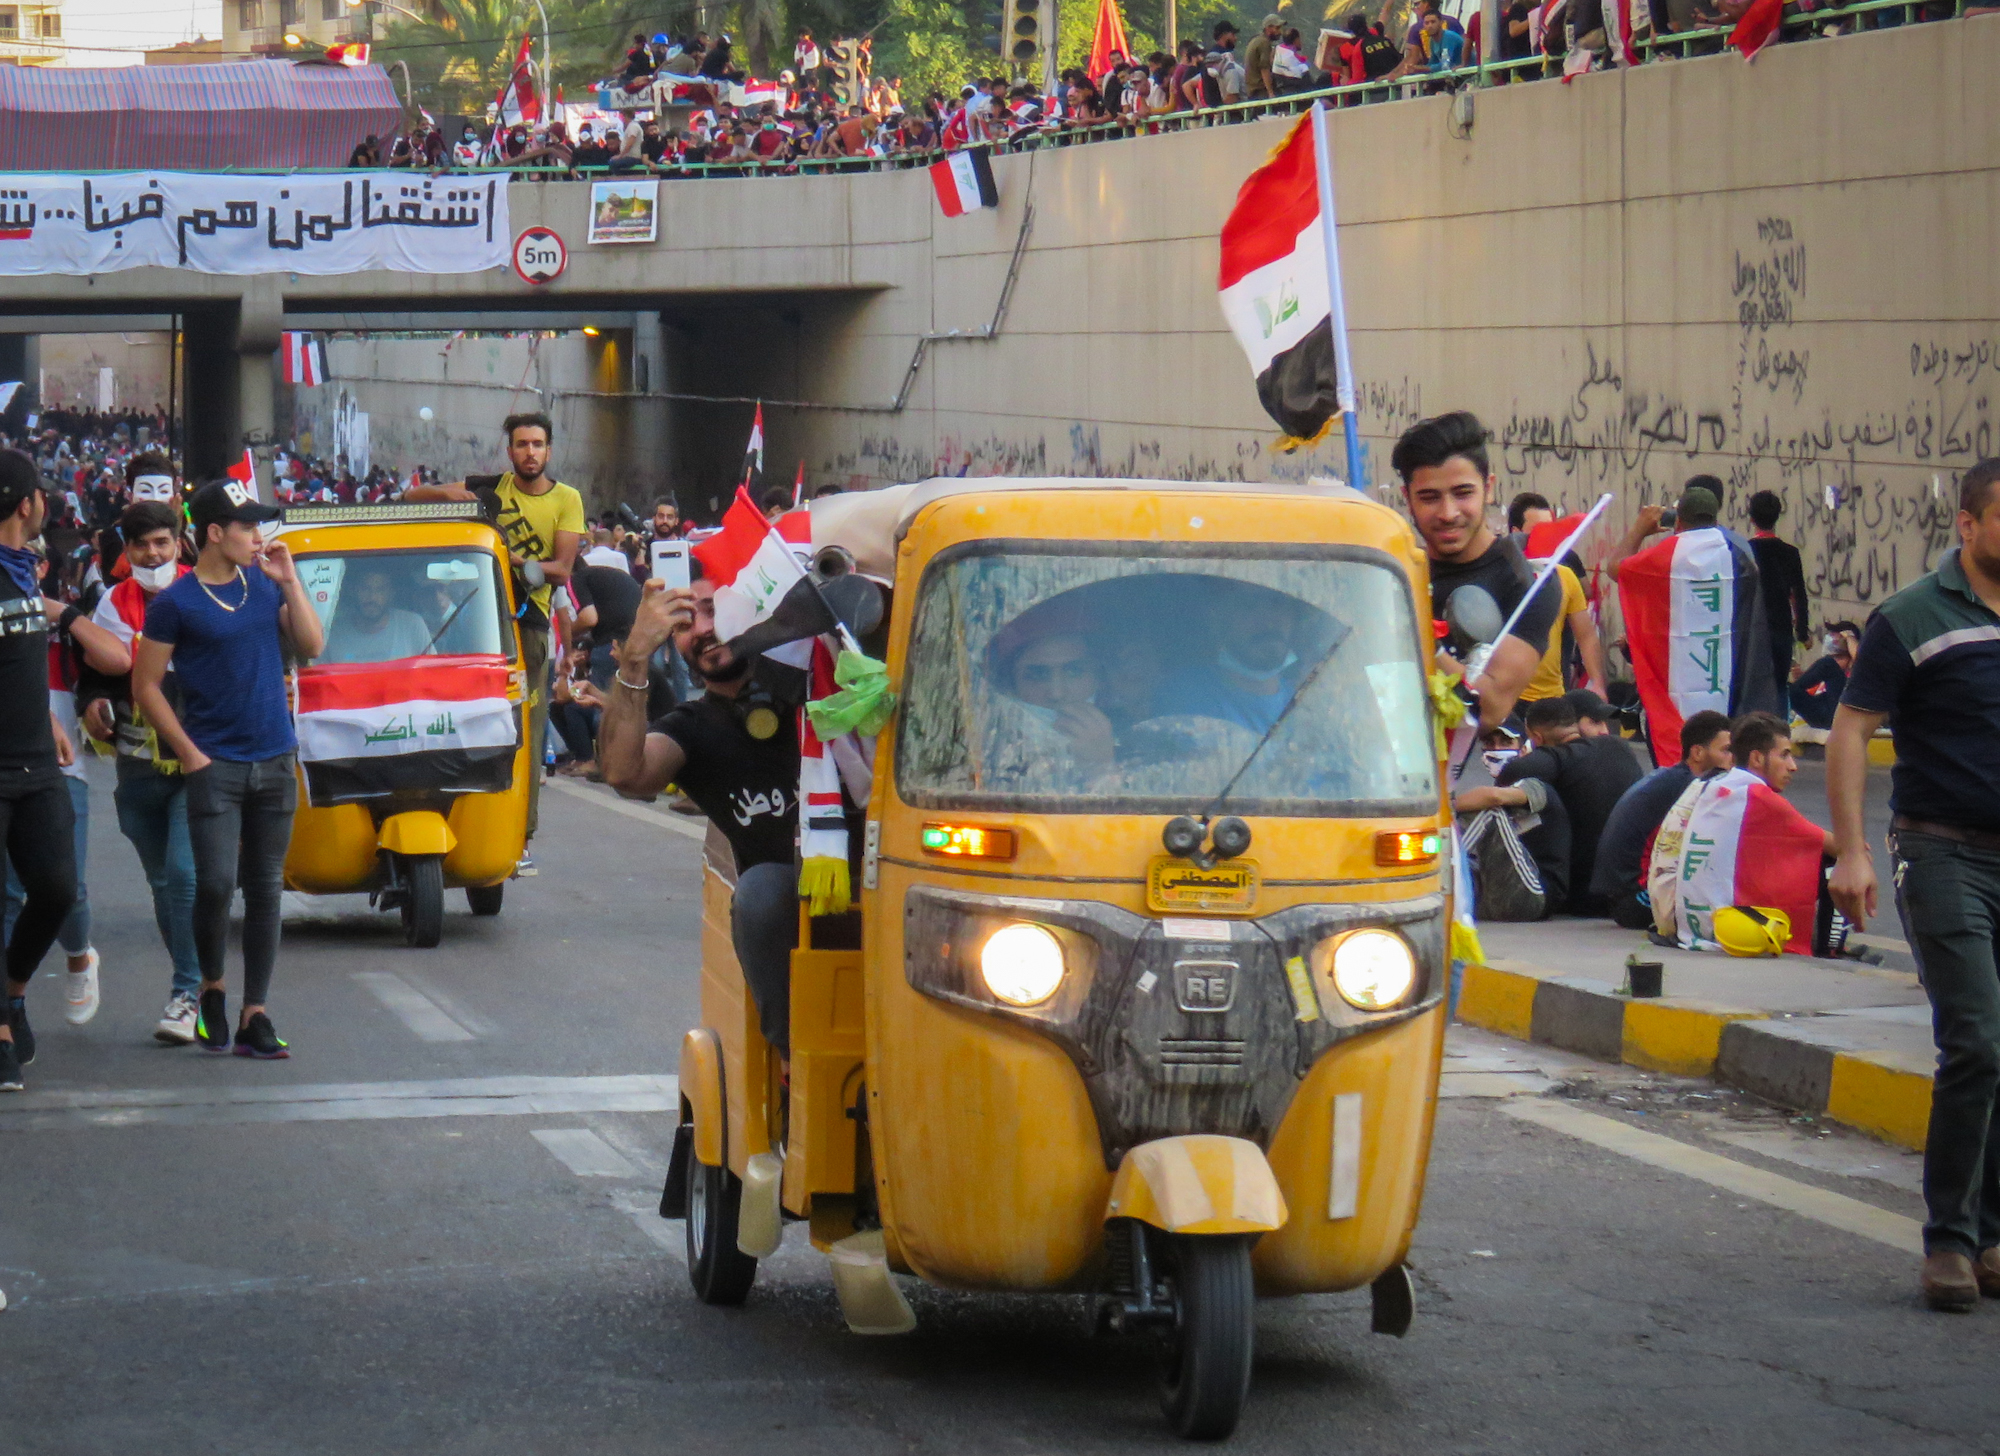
676	110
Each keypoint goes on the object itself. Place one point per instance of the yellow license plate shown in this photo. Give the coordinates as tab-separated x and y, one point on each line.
1176	884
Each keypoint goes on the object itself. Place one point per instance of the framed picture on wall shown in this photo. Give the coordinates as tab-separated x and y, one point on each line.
624	212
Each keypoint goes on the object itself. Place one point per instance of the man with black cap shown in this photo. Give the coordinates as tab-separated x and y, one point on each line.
226	627
36	815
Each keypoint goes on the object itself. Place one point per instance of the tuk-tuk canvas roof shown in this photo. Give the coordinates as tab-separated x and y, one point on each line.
869	523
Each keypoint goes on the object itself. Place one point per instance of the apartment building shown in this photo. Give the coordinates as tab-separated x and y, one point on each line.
31	33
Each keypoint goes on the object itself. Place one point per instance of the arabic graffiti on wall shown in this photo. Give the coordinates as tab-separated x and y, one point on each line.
303	223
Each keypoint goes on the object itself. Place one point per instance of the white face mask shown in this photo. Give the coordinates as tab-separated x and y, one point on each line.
155	578
154	488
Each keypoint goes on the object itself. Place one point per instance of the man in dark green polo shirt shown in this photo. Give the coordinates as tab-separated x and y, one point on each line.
1929	665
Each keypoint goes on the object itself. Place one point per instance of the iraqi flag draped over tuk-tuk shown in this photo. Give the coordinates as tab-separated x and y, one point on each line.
369	729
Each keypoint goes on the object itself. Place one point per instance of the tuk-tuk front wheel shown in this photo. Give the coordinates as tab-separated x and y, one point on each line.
485	899
720	1272
423	900
1205	1377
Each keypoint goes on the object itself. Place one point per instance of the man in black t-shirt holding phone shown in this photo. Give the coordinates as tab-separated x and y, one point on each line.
739	763
1448	485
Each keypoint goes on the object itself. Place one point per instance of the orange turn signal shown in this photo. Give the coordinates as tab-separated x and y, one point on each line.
1406	846
968	841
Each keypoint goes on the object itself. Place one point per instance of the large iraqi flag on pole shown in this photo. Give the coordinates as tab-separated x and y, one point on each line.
1274	292
1745	845
1694	625
371	728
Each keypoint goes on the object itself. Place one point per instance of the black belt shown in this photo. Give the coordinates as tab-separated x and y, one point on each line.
1958	833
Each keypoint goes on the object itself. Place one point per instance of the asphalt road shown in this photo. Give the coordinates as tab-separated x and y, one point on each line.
432	1231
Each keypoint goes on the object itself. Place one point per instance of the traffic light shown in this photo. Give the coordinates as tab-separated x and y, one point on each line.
1025	30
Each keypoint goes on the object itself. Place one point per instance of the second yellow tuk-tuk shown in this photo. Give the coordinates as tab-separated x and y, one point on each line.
413	754
1146	1000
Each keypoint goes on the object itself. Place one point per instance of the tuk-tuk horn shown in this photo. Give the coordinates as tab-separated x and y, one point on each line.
1228	837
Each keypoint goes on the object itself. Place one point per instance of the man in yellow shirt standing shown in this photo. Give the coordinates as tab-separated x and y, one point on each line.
543	522
1524	513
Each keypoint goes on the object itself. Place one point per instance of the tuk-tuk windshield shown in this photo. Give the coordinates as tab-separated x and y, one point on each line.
1086	677
382	606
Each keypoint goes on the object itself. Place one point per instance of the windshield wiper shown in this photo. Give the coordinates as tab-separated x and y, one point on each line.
1269	733
450	617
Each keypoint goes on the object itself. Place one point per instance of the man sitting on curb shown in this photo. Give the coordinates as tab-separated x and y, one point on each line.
1501	823
1585	774
1743	845
1619	875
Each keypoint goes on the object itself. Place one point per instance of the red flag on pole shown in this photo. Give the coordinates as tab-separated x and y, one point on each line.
1109	36
753	454
799	487
1758	25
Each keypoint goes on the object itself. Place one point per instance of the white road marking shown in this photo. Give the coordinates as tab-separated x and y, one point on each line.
1836	1210
412	1007
668	1233
341	1102
672	823
584	1153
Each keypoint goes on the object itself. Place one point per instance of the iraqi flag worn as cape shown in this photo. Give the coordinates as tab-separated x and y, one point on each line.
1745	845
368	729
1274	289
1694	624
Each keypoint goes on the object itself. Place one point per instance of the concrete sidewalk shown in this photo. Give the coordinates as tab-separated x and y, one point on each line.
1838	1038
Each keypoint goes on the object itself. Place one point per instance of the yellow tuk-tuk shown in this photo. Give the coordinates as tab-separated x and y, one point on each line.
1147	996
413	758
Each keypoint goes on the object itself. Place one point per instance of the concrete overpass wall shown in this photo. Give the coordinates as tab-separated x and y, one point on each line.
1781	274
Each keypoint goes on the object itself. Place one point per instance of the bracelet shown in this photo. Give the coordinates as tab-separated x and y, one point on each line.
635	687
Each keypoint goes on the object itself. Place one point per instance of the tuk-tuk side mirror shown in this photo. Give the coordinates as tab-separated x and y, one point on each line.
1474	618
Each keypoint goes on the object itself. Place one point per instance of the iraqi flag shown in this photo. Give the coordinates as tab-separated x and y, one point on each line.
964	182
370	729
753	454
1694	625
304	358
517	103
1757	27
1274	288
1745	845
753	563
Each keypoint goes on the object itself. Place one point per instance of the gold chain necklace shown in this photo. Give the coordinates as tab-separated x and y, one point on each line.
241	580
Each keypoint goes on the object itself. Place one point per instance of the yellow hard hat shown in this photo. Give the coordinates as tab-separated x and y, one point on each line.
1747	930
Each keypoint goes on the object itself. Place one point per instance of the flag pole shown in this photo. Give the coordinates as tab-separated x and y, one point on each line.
1343	364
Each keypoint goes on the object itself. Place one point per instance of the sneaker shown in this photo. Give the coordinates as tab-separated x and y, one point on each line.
525	869
177	1022
10	1069
82	996
24	1034
211	1027
258	1038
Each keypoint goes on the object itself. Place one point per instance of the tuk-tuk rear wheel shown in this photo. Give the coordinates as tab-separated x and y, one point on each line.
720	1272
423	900
1205	1377
485	899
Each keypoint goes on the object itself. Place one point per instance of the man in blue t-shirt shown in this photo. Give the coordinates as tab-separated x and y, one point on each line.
226	627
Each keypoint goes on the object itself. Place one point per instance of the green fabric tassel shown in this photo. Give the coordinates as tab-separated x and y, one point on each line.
863	704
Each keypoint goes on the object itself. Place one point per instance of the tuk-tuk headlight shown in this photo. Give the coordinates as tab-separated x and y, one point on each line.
1371	969
1021	964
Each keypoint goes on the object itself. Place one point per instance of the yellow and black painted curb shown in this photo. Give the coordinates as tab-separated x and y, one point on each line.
1781	1060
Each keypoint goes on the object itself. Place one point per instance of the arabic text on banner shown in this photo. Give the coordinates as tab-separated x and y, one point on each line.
303	223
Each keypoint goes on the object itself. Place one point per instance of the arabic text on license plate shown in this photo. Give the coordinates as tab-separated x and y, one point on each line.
1175	884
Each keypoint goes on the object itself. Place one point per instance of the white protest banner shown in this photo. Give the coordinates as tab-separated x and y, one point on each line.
298	223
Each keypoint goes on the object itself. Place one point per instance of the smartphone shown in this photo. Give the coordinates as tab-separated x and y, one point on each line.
670	564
